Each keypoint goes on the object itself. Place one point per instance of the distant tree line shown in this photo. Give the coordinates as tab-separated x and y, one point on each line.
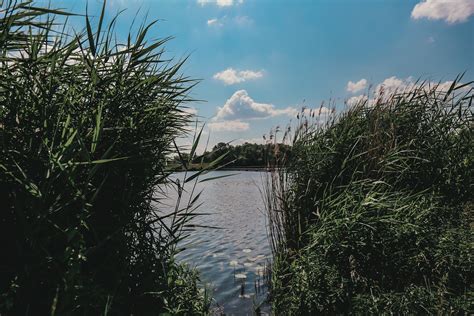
245	155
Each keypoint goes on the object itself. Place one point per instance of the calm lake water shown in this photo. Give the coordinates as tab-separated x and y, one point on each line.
231	259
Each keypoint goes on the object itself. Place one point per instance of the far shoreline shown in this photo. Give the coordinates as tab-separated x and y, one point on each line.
240	168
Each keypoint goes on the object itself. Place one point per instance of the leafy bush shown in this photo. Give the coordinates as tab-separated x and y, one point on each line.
374	212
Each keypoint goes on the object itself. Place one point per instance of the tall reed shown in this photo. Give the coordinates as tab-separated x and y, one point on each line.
373	212
86	126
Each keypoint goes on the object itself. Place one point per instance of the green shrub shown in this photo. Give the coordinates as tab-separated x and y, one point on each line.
373	213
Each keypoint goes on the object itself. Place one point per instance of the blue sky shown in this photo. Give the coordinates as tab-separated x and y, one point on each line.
262	60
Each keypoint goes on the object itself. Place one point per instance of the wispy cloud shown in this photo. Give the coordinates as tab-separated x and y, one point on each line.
452	11
122	4
229	126
231	76
240	21
356	86
256	140
190	110
220	3
214	22
243	20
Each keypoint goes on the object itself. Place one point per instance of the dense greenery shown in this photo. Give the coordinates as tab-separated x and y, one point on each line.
374	213
86	124
246	155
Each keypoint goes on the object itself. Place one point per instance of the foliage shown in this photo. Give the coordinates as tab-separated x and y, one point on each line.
86	124
374	212
245	155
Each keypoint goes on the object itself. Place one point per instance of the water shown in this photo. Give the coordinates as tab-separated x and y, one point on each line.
231	259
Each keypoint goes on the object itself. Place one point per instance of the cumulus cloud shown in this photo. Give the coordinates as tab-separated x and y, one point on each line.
352	101
452	11
392	85
356	86
241	106
229	126
220	3
231	76
384	89
397	85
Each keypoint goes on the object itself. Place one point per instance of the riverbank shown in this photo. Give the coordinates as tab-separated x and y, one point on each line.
204	166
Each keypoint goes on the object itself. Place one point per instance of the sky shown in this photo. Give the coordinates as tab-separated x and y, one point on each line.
260	61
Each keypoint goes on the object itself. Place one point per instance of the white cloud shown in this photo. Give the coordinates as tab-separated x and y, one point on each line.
322	112
220	3
383	90
451	11
231	76
257	140
356	86
229	126
190	110
240	21
241	106
394	85
431	40
214	22
356	100
444	86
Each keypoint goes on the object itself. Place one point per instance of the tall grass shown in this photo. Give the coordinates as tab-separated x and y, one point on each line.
86	126
373	213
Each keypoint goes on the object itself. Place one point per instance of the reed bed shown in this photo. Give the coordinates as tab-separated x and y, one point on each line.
373	213
86	126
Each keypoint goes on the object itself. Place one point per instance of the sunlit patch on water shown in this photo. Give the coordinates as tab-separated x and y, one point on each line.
240	276
259	270
257	258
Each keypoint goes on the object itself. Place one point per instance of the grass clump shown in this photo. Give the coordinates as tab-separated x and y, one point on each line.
374	211
86	126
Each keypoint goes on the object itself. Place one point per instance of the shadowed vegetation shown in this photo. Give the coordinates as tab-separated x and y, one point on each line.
374	212
86	124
